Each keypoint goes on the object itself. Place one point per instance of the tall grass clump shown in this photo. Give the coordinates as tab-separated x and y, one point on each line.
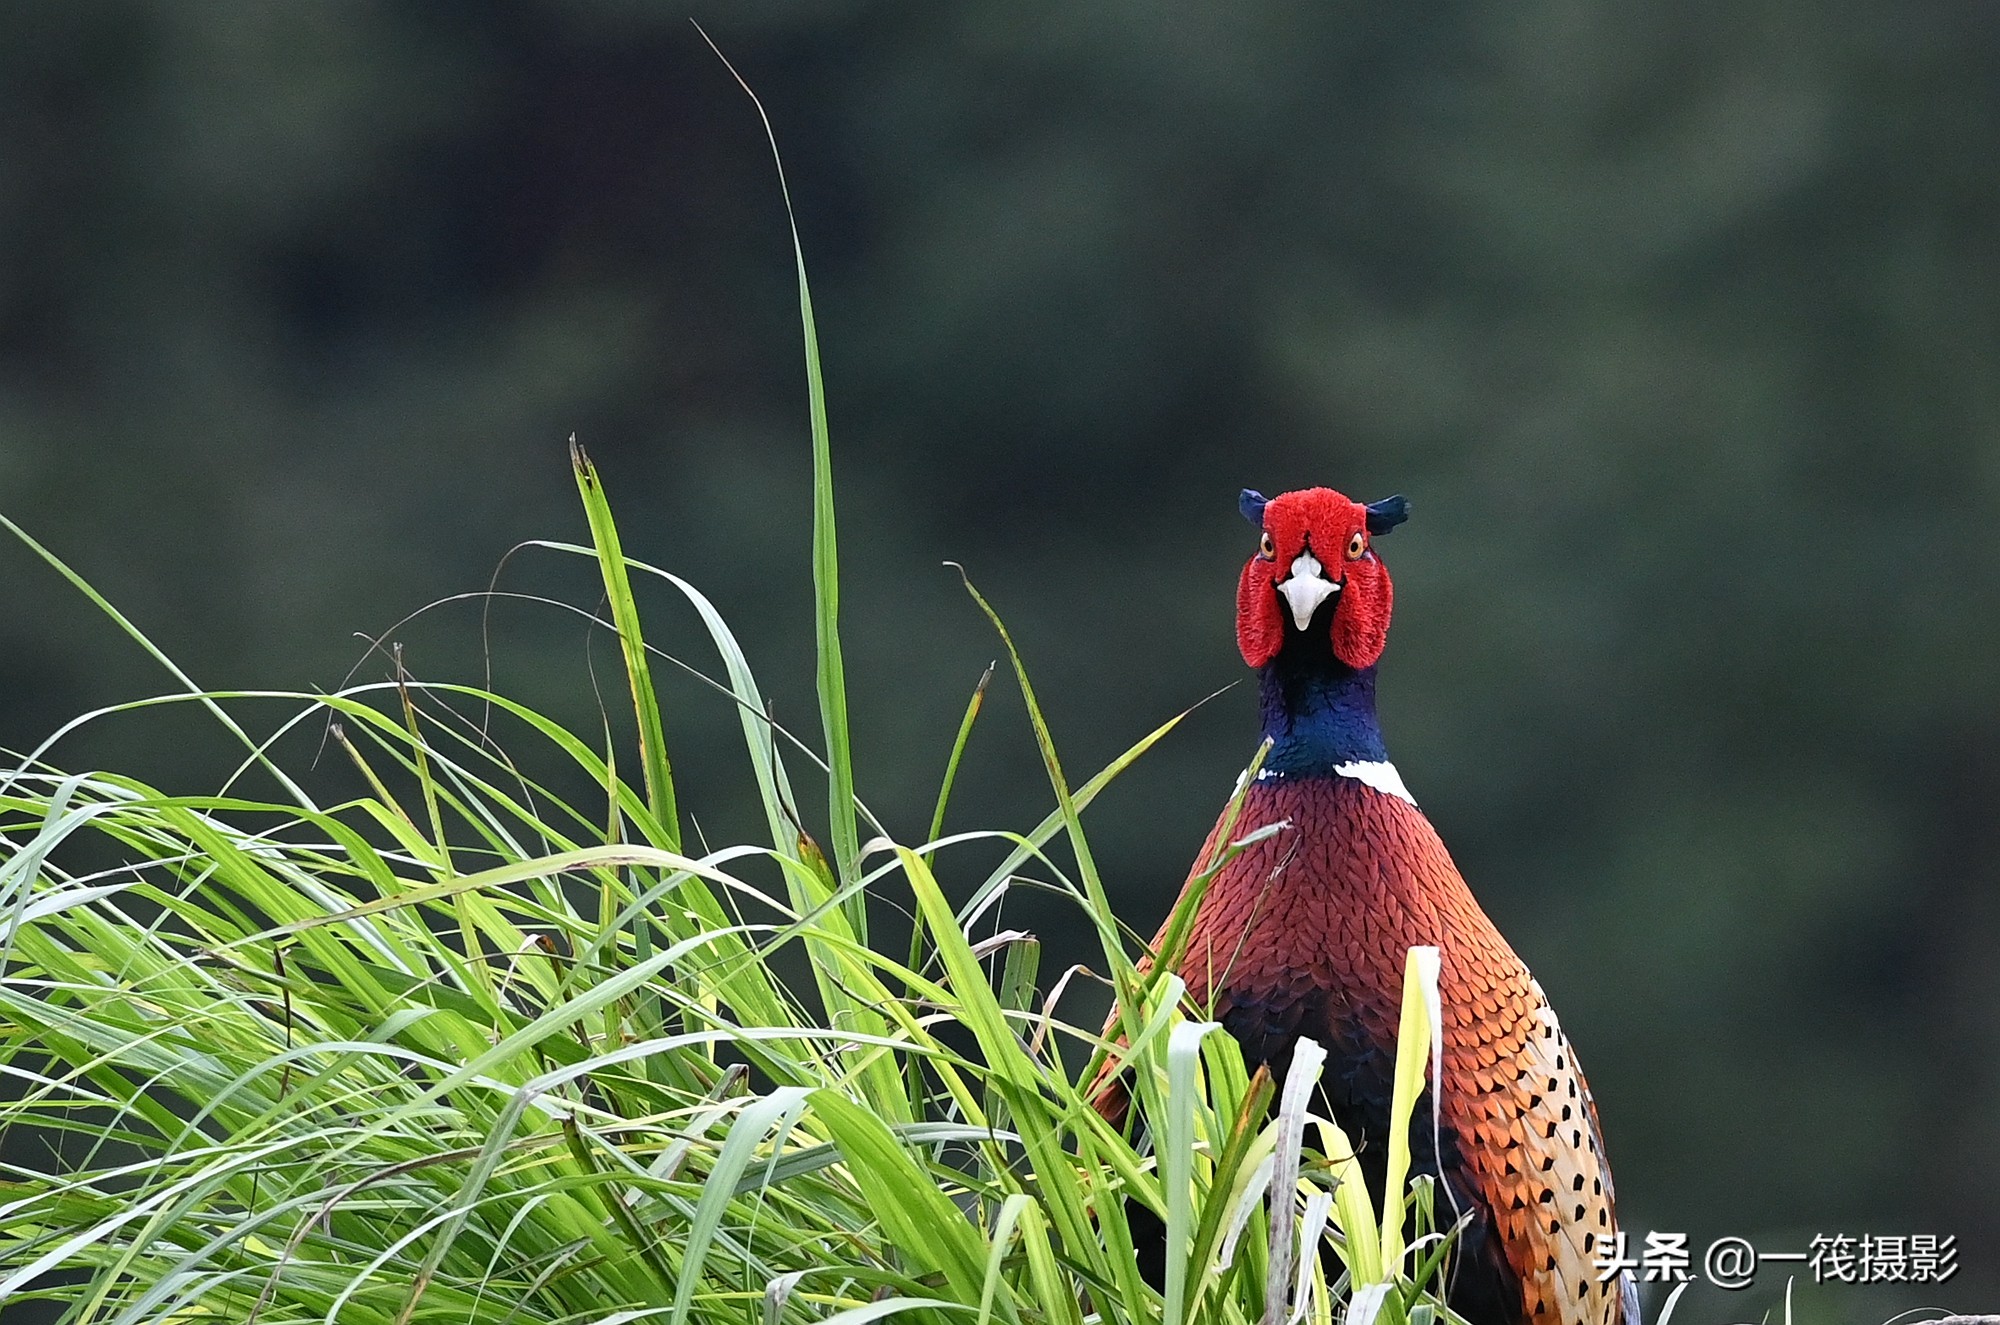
461	1050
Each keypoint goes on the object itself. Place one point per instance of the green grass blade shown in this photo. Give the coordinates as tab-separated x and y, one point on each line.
759	732
831	671
139	637
654	765
1418	1038
1300	1078
777	1111
1028	845
917	1217
1004	1228
1183	1058
1235	1187
972	708
1098	904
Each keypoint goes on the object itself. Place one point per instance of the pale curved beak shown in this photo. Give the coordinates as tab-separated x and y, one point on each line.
1306	588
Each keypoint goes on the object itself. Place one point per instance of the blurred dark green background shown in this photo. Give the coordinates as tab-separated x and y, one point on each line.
1679	324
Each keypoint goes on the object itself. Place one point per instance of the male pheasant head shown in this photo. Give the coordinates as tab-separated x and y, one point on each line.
1316	571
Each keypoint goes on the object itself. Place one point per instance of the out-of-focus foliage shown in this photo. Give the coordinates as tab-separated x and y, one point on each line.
1681	327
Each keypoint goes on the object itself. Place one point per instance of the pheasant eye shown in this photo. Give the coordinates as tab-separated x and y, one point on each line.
1357	545
1266	548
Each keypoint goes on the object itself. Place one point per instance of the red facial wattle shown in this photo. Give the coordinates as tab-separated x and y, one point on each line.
1317	545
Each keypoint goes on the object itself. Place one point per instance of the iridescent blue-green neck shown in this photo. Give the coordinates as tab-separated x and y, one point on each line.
1318	712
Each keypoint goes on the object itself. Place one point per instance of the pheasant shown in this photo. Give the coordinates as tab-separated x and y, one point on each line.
1304	934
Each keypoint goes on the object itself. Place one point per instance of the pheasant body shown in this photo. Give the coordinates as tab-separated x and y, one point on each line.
1305	933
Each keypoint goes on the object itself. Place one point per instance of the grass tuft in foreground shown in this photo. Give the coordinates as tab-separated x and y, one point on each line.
467	1052
460	1050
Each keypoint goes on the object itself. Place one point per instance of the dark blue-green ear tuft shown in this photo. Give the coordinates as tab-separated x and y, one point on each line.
1386	514
1252	502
